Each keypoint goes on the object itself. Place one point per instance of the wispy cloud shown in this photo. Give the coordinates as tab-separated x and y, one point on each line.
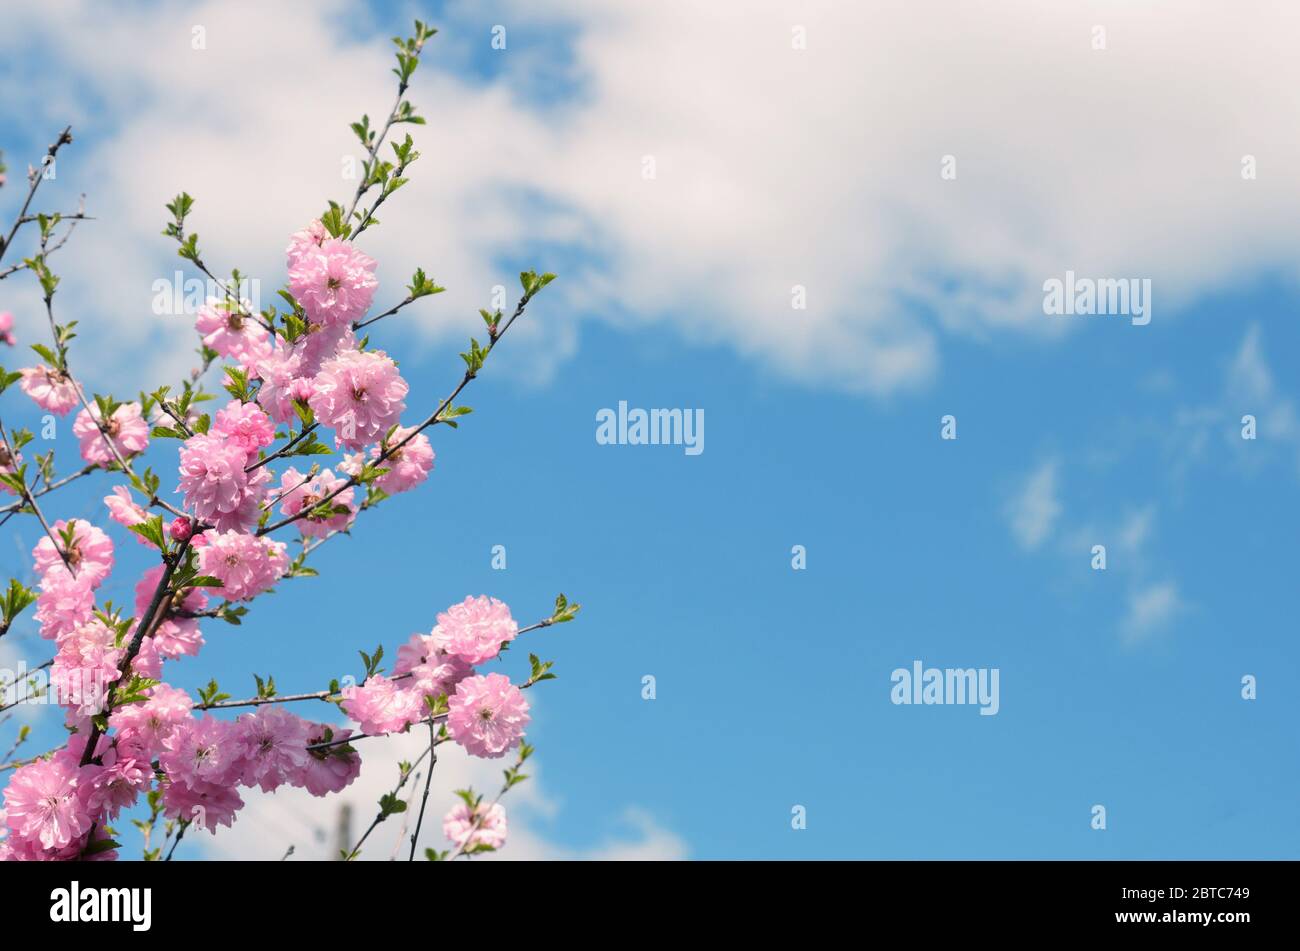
1151	608
1033	511
1248	388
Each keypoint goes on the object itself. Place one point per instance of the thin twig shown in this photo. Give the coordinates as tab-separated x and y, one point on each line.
424	801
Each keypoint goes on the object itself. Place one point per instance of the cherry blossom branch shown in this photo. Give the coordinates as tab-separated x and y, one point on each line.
34	179
147	620
31	501
327	694
48	284
50	487
513	778
20	763
392	800
23	734
408	59
437	718
358	324
13	703
46	252
428	779
275	499
435	418
77	216
181	563
283	450
180	834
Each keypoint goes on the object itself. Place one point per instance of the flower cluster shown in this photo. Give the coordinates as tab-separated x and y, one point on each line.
53	806
486	714
135	740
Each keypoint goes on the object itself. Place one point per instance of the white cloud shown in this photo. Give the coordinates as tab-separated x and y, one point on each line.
1150	609
1036	507
1250	389
1201	432
270	822
1136	529
775	166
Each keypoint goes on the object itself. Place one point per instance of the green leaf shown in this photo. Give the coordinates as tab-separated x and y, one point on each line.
333	221
47	355
100	845
151	529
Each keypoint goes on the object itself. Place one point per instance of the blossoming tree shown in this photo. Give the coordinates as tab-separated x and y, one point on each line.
292	375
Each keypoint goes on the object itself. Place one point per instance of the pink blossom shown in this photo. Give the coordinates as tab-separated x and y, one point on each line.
309	239
90	555
468	828
50	389
433	672
6	318
352	463
115	787
212	475
334	282
231	334
85	666
279	372
202	753
65	602
145	725
215	804
181	528
23	850
318	345
245	515
148	661
408	465
126	428
45	805
382	706
475	629
124	510
244	425
178	637
275	743
245	564
333	768
488	715
300	493
360	395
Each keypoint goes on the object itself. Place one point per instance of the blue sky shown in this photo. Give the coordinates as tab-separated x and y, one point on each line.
773	685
